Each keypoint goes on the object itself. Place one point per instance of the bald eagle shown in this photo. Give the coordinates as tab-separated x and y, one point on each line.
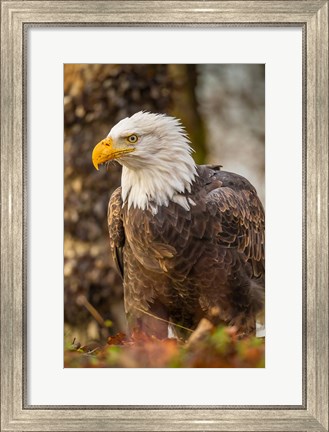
187	239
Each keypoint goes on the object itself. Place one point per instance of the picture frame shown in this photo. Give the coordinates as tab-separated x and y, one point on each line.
17	16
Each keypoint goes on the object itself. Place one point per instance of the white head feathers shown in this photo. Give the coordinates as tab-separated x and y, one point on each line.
161	167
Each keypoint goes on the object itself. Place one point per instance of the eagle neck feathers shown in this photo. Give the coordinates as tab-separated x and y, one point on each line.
164	178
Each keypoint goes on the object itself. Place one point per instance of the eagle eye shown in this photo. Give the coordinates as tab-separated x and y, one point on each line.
132	139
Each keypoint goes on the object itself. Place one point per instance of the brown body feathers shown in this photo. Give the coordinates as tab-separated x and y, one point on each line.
181	265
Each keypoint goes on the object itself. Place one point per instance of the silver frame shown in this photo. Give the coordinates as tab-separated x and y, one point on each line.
312	17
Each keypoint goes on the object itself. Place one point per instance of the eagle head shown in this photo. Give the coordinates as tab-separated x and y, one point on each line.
155	153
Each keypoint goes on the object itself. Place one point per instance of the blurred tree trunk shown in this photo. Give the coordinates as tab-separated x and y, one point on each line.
185	106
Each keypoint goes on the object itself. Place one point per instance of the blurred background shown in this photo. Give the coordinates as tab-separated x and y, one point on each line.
223	110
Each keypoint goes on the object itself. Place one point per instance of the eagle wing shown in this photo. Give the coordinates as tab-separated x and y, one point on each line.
116	229
240	217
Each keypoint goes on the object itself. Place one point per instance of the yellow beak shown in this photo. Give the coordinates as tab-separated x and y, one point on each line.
104	151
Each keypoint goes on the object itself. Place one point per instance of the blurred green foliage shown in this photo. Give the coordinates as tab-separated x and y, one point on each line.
220	347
